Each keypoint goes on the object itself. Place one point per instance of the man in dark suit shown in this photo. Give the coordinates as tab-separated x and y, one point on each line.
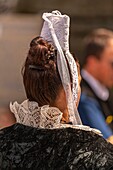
96	106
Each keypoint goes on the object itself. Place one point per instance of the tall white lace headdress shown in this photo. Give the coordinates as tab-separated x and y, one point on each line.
56	30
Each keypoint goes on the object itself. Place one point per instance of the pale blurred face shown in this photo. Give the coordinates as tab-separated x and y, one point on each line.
105	66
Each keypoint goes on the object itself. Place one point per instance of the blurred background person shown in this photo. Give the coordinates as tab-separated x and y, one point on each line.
6	118
97	78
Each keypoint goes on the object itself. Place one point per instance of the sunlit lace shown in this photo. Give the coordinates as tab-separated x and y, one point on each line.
30	114
56	30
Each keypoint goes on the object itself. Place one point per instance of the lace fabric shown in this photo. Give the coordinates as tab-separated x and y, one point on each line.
57	24
56	30
29	113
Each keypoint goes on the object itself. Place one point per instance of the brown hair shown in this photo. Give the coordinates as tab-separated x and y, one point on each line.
95	42
40	73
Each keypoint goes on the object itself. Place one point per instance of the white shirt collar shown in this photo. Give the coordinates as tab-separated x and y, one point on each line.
100	90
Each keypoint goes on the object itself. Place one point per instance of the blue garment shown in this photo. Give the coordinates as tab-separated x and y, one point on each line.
91	115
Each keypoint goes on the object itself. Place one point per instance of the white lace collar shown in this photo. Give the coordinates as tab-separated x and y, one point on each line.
30	114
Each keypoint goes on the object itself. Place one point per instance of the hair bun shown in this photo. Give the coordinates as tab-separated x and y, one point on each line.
35	41
42	55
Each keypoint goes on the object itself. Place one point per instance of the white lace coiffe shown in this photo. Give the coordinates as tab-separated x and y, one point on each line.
56	30
30	114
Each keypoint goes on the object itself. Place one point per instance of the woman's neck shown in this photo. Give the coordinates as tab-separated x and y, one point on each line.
65	116
61	104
